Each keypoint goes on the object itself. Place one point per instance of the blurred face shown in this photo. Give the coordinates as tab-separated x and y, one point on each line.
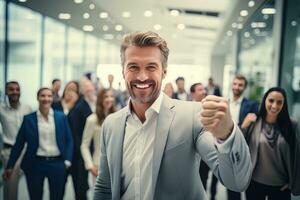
56	86
200	93
108	100
238	87
13	92
168	90
180	85
110	78
72	87
143	73
45	99
88	89
274	103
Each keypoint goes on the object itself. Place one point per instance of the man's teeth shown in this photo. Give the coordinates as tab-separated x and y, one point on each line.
142	86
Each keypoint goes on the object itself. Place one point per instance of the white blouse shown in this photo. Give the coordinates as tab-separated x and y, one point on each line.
91	132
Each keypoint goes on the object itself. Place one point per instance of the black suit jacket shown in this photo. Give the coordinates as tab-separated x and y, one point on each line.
247	106
77	118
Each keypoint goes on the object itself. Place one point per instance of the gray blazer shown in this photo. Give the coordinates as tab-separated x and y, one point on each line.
179	139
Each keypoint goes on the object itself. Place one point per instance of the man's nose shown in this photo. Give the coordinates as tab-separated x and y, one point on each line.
142	75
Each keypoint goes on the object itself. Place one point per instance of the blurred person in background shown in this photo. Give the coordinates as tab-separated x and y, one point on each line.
275	149
49	146
11	117
169	90
198	93
118	94
104	107
77	119
212	88
240	106
56	85
69	98
181	94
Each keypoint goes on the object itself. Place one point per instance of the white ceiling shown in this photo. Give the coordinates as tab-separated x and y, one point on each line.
191	45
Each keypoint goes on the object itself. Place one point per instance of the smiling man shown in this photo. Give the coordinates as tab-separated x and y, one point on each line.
149	148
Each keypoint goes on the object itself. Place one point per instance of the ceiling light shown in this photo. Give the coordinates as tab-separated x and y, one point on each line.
118	27
258	25
88	28
148	13
266	17
229	33
174	13
64	16
294	23
247	34
22	1
268	11
103	15
157	27
86	15
181	26
78	1
256	31
240	26
234	25
92	6
126	14
105	28
251	3
244	13
108	36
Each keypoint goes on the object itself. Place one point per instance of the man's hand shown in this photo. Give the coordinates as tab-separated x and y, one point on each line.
251	117
7	174
94	170
215	116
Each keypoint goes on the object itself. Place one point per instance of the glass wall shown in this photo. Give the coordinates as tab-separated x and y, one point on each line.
2	35
256	50
24	36
54	51
75	54
290	62
91	48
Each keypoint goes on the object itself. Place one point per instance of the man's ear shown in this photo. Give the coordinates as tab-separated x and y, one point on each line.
164	73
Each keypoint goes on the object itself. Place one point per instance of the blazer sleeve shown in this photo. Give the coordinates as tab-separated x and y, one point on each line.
102	188
18	146
233	168
69	140
86	142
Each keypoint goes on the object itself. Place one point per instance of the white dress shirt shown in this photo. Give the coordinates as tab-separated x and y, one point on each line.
235	107
11	120
47	136
138	154
91	133
136	175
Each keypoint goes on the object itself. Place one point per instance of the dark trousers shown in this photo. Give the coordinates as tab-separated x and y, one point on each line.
79	177
204	169
231	195
260	191
54	170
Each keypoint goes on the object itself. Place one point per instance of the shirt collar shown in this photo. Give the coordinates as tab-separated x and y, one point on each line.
155	106
239	100
50	114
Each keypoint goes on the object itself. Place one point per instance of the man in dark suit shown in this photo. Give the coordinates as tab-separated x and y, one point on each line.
212	88
48	151
77	119
239	108
181	94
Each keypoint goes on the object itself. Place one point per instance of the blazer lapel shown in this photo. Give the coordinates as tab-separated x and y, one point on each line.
165	119
119	133
35	130
57	131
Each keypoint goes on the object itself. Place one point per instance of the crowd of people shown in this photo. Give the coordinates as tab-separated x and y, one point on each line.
153	144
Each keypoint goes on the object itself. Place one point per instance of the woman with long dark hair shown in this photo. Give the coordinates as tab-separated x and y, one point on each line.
104	106
274	149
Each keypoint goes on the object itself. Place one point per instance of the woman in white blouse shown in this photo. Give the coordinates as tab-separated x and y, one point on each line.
104	106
